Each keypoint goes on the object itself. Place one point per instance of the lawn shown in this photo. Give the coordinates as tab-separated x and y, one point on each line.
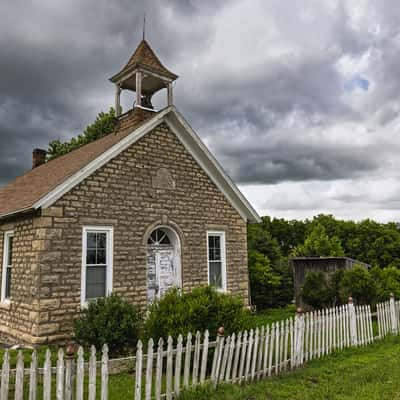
370	373
269	316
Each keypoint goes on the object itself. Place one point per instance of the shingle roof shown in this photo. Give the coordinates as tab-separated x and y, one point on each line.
145	56
23	192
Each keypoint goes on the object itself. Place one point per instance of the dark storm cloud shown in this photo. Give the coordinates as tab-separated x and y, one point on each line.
255	79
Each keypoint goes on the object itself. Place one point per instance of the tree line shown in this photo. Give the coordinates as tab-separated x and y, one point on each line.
274	241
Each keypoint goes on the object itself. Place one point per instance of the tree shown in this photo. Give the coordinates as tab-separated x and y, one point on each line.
359	284
102	126
318	244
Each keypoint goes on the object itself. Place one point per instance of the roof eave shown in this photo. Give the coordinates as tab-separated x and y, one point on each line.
17	212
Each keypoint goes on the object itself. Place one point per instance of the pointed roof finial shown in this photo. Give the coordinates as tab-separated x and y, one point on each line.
144	25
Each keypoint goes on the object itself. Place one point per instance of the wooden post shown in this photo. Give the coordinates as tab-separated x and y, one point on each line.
393	318
219	350
138	88
169	94
299	337
353	322
117	100
69	373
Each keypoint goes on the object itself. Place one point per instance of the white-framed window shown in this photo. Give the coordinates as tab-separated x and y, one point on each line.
216	259
7	267
97	262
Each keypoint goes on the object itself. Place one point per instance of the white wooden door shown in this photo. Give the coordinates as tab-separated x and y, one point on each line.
161	270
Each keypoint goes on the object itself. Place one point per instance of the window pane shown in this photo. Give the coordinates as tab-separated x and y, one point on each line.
214	248
10	250
216	274
91	257
101	240
7	293
95	282
91	240
101	257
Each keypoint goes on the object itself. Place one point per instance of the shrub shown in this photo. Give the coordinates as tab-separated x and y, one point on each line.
387	281
359	284
317	291
203	308
110	320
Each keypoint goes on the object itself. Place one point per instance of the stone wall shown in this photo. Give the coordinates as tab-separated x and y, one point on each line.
122	194
19	318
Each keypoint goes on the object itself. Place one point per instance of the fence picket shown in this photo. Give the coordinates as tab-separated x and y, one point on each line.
271	349
47	376
159	368
285	354
281	343
255	352
219	352
92	374
204	358
196	358
249	353
149	368
80	374
225	358
60	375
138	370
266	349
178	367
104	373
33	377
188	355
242	356
277	335
230	358
260	352
5	376
19	377
236	359
169	374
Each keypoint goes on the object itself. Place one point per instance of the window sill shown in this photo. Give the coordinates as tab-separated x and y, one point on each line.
5	305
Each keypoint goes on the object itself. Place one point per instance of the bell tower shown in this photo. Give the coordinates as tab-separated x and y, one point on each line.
145	75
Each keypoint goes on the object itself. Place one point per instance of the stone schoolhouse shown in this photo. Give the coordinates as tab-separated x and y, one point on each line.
137	212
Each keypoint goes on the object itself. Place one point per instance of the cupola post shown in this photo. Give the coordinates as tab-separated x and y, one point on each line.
117	100
145	75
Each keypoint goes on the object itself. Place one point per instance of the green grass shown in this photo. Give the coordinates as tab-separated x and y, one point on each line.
370	373
266	317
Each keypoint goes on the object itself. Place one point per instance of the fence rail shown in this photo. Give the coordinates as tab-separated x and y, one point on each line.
164	368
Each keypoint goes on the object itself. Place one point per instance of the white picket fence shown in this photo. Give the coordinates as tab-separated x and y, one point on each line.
388	316
164	370
248	356
65	381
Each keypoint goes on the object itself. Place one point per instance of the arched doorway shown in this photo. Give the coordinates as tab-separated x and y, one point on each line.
163	262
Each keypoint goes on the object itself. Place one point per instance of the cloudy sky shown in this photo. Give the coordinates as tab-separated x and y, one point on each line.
300	104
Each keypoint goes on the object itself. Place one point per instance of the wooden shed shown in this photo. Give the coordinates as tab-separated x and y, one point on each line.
303	265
